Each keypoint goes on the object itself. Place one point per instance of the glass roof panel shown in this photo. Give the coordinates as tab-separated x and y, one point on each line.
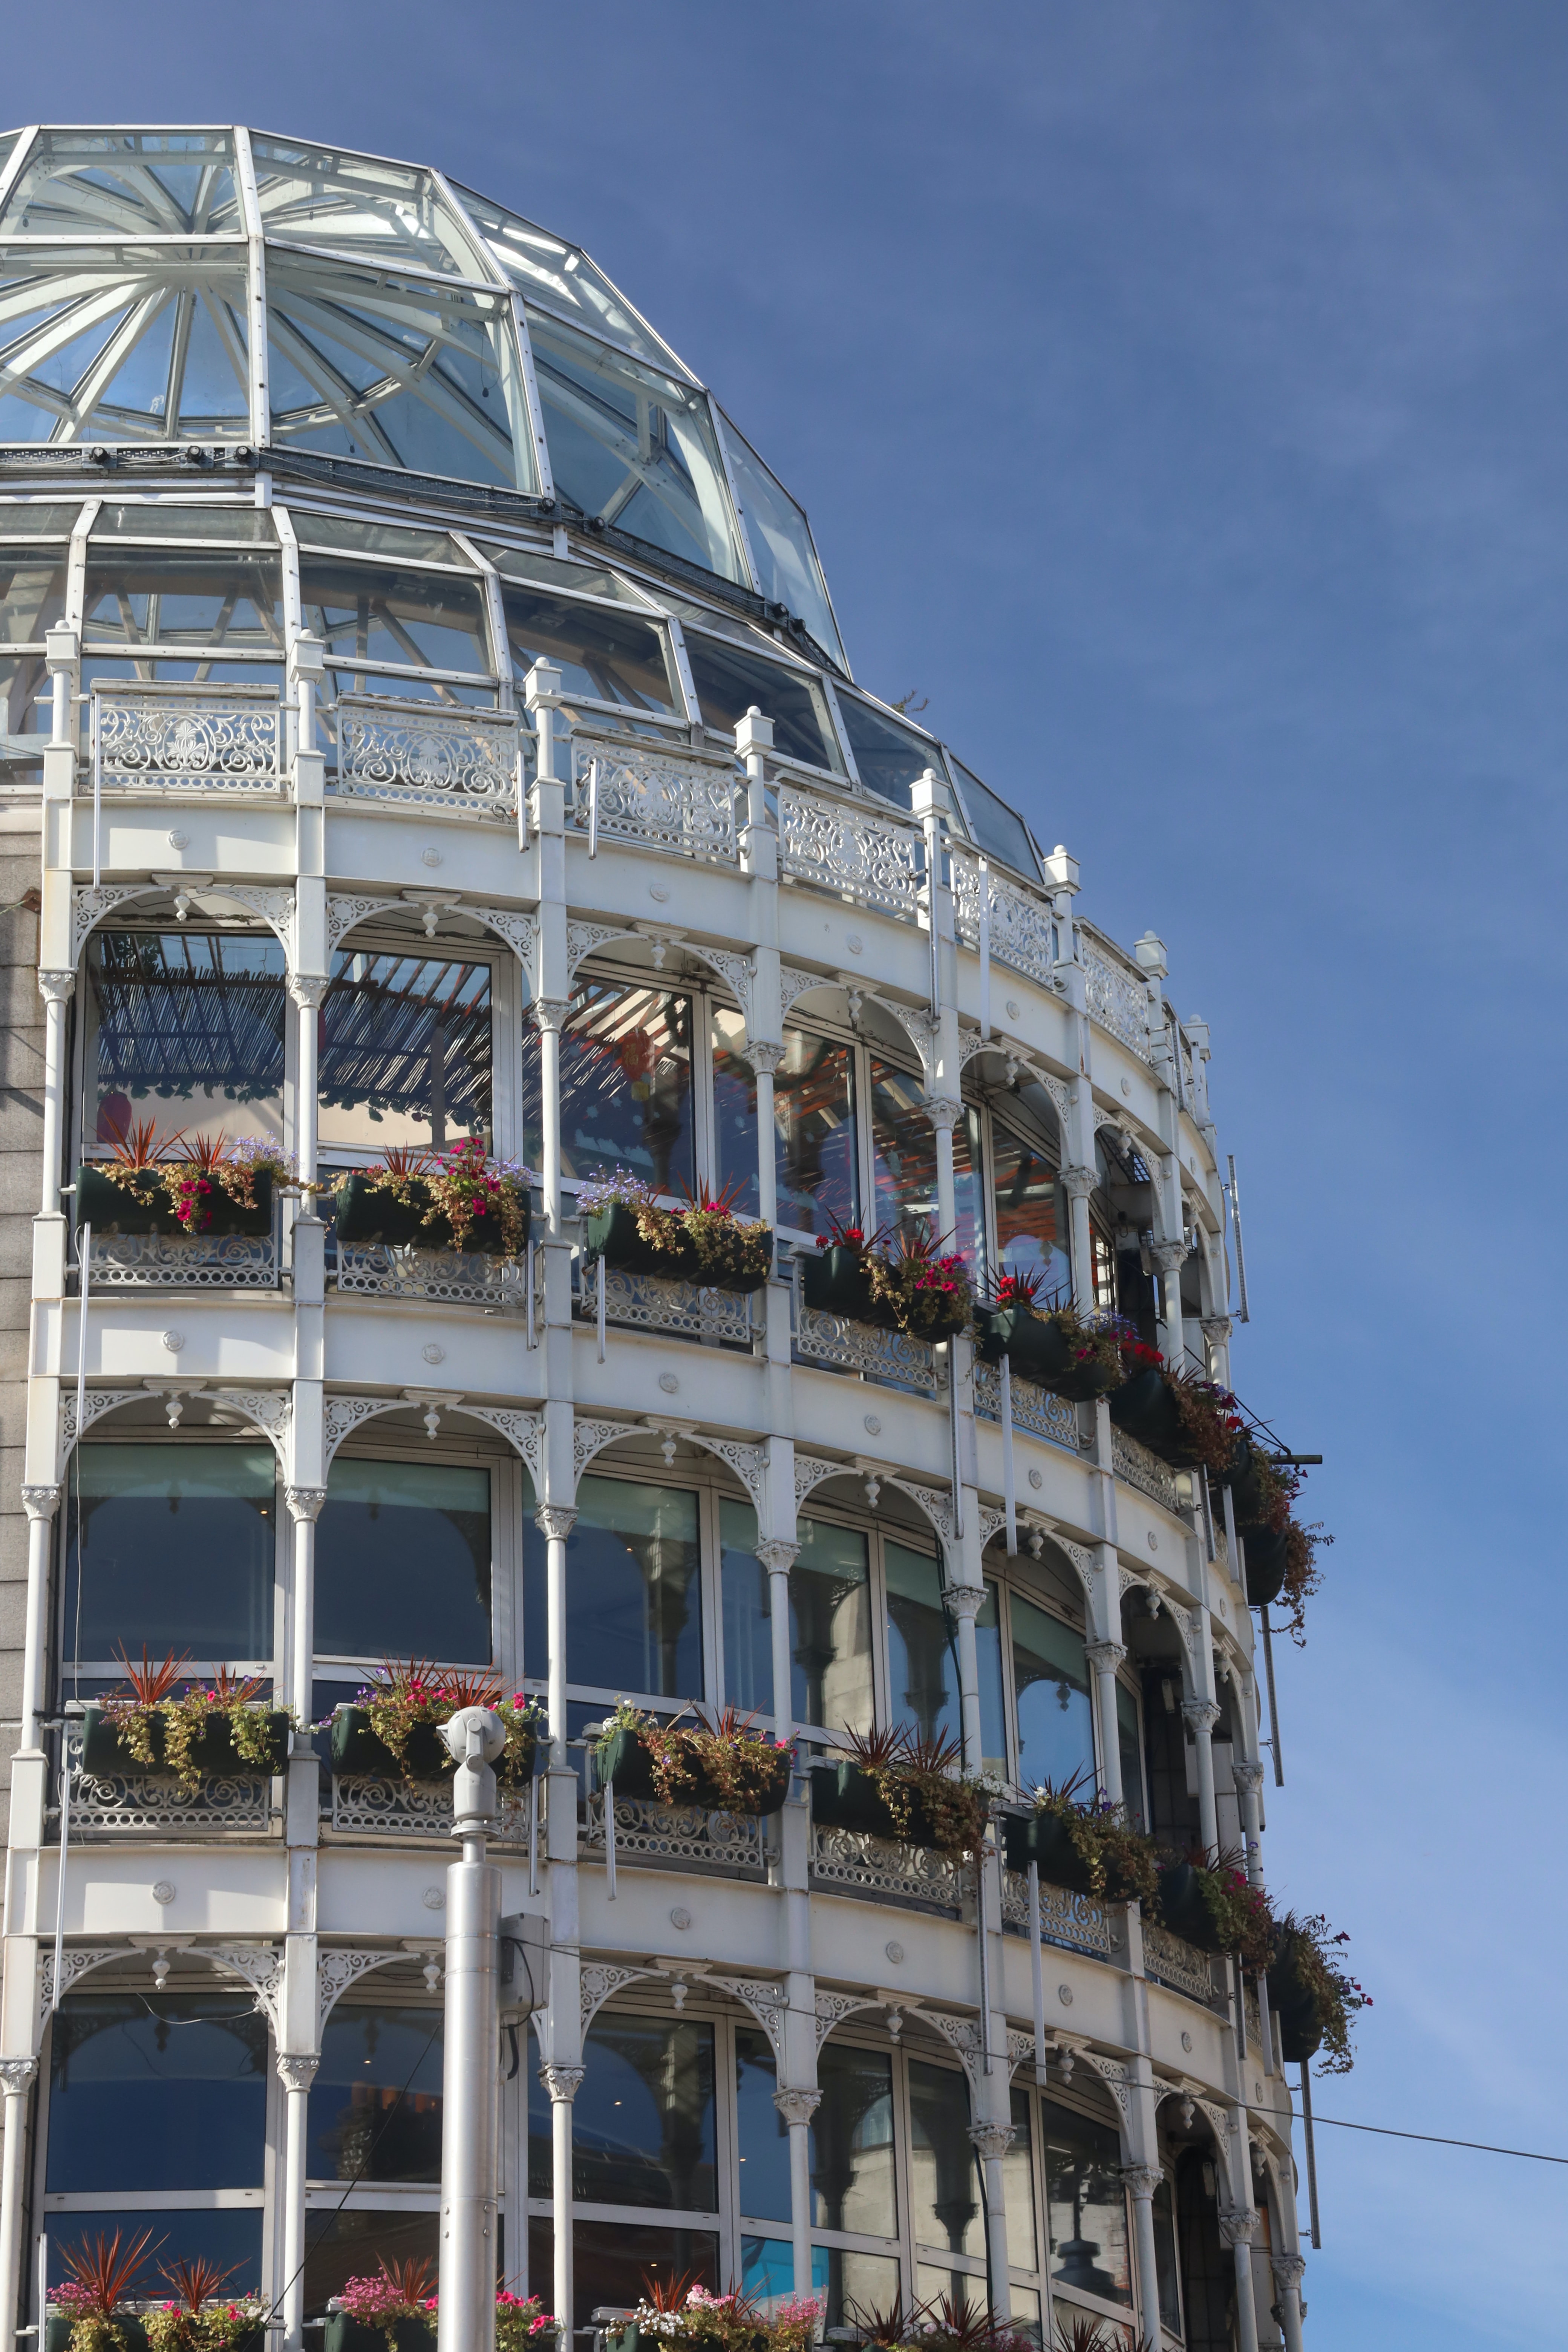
564	279
150	518
358	206
634	447
788	570
422	376
729	683
889	756
582	579
375	539
994	826
126	182
143	344
26	518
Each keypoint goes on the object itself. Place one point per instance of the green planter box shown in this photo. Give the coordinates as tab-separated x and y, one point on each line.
612	1234
1043	1839
1185	1910
1292	2007
833	1282
356	1748
1144	1407
1266	1555
1033	1344
626	1762
1246	1501
365	1214
214	1756
57	2333
346	2334
844	1796
110	1208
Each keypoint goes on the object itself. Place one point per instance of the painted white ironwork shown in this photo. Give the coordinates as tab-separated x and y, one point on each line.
132	1804
365	1806
77	1960
1172	1961
1133	1462
178	1262
177	738
433	755
379	1271
1117	1000
1021	930
1034	1409
662	798
851	853
859	1863
650	1302
648	1833
1077	1922
894	1358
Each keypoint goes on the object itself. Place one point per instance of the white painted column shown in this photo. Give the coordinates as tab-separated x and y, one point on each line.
797	2108
764	1060
1079	1183
296	2073
1237	2228
943	1116
1105	1657
309	991
1288	2270
562	2084
556	1522
964	1602
991	2140
1202	1714
778	1558
17	2077
1247	1774
304	1508
41	1503
1143	2179
55	988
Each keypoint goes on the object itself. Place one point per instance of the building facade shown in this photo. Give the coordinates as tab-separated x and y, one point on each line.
427	719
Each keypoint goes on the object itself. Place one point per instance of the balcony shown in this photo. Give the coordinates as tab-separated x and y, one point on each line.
443	758
655	796
155	1805
608	1296
440	1278
165	739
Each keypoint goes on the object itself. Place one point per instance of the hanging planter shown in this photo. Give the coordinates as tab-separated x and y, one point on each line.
844	1796
833	1281
461	1201
1144	1408
1293	2003
705	1243
1035	1345
213	1753
357	1749
140	1200
1267	1551
728	1770
1045	1839
366	1213
396	1733
127	2326
1187	1909
613	1234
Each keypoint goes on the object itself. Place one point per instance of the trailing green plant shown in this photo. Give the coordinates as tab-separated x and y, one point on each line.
680	2311
1302	1574
408	1692
150	1698
479	1197
1336	1997
192	1178
1120	1862
736	1759
1210	1421
926	1773
202	2318
1237	1910
100	2277
706	1235
923	1289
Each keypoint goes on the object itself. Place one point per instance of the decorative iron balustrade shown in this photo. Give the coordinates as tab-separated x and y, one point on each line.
127	1804
1022	929
892	1358
428	755
173	1262
180	739
1179	1965
1254	2020
653	1302
1034	1409
445	1277
666	799
1077	1922
1118	1001
648	1835
855	1863
1132	1461
851	852
363	1806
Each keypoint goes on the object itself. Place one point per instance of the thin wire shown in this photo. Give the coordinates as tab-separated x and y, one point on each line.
1437	2139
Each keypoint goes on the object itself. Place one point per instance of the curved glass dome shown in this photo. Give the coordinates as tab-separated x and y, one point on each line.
222	285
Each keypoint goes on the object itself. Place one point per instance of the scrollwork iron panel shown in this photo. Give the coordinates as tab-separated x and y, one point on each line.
1139	1468
434	756
648	1302
1077	1922
858	1863
170	1262
1117	1001
892	1358
444	1276
1023	930
159	739
651	1833
124	1804
651	795
851	853
1034	1409
365	1806
1179	1965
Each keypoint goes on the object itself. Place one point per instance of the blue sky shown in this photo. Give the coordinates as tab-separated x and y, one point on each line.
1177	395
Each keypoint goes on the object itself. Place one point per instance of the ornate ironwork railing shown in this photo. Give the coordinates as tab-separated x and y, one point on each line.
666	799
1133	1462
445	1276
651	1302
858	1863
173	739
171	1262
851	852
1077	1922
1034	1409
648	1835
1177	1964
125	1804
363	1806
433	755
1022	929
892	1358
1117	1000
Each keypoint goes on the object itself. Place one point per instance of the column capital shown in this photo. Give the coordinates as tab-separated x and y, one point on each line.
1105	1657
1216	1329
797	2107
1079	1182
562	2082
1248	1778
1202	1714
1169	1257
1142	2180
40	1502
776	1556
308	989
1288	2270
17	2075
965	1600
1238	2227
942	1112
297	2071
555	1520
763	1057
57	987
991	2139
550	1012
305	1502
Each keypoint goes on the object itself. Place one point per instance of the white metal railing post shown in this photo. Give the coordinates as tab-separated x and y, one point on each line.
984	917
469	2139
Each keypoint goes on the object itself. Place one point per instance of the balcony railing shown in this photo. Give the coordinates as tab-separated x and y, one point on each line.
851	852
445	1278
652	1836
363	1805
1116	997
165	739
125	1804
893	1358
652	1302
663	799
853	1861
428	755
1177	1964
1035	1410
173	1262
1075	1922
1132	1461
1022	930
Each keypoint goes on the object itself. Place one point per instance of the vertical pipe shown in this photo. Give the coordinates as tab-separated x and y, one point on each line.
98	800
304	1504
307	995
17	2074
1105	1657
56	990
41	1503
557	1521
548	1018
1037	1976
1311	2152
296	2074
467	2311
1273	1703
561	2083
778	1558
1009	1491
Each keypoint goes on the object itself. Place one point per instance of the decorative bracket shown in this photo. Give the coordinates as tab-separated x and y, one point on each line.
96	1403
767	2004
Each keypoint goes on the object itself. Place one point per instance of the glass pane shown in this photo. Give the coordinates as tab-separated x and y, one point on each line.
1087	2205
993	1699
642	2127
944	2175
367	614
145	519
1055	1724
781	544
229	2239
767	2270
32	592
37	518
932	2284
1033	1223
401	374
888	757
855	2284
146	343
729	681
178	598
1131	1754
563	278
634	446
162	2090
814	1162
115	183
26	723
606	656
184	1027
748	1621
1018	2184
375	2103
1166	2267
387	539
922	1649
851	2142
903	1153
550	572
634	1596
830	1632
625	1085
403	1562
405	1052
361	205
611	2261
170	1546
761	2131
994	826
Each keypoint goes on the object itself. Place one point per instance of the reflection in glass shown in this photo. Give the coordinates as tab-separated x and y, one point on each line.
1055	1723
903	1153
761	2133
563	278
183	600
375	2110
730	680
378	623
141	2099
403	1562
405	1052
767	2270
748	1616
816	1173
830	1629
633	1616
851	2142
1087	2203
607	657
186	1027
360	204
129	343
1166	2267
171	1546
888	757
855	2283
229	2236
625	1085
944	2173
1131	1753
643	2123
781	543
32	592
922	1656
612	2261
1032	1222
1018	2186
25	720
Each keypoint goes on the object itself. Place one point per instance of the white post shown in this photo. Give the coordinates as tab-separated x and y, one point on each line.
40	1503
778	1558
304	1508
1288	2270
16	2077
1143	2179
296	2073
54	987
1105	1657
764	1060
1237	2228
307	991
943	1116
1202	1714
469	2152
562	2083
549	1014
992	2141
797	2108
964	1602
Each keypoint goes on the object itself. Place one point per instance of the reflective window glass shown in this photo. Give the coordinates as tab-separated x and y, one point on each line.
1018	2187
148	519
25	722
903	1153
39	519
782	549
355	2242
230	600
606	656
564	279
1032	1223
186	1028
888	757
923	1655
851	2142
612	2261
760	2129
375	2105
643	2121
117	183
625	1085
405	1051
159	2090
548	572
388	539
360	204
1130	1749
32	592
143	344
634	446
370	617
1166	2267
767	2271
403	1562
633	1590
830	1632
815	1163
1055	1723
730	681
171	1547
854	2285
229	2236
945	2176
409	374
748	1618
1088	2202
993	825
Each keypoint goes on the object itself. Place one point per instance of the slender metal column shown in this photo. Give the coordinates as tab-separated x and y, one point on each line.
467	2321
296	2073
1105	1657
40	1503
797	2108
1143	2179
1288	2270
549	1014
561	2083
992	2141
304	1508
764	1060
308	990
1202	1715
943	1116
778	1558
964	1602
16	2077
54	987
1237	2228
555	1522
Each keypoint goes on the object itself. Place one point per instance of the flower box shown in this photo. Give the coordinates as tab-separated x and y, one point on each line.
1035	1346
1185	1908
358	1748
613	1234
57	2332
1268	1554
846	1796
104	1753
833	1282
406	2334
626	1763
1045	1839
1293	2005
365	1214
1146	1409
143	1206
1249	1501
